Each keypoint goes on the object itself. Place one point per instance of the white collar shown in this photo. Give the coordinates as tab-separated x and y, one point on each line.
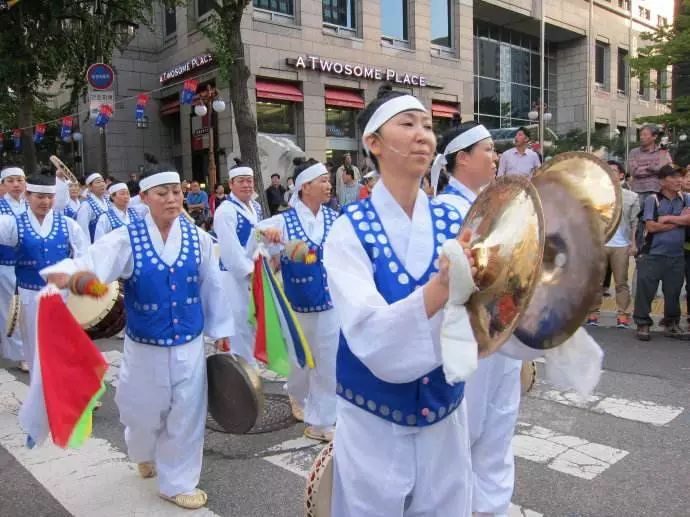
454	182
305	213
43	229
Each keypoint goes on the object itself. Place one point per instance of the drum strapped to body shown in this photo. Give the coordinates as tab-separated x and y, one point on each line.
528	376
100	317
319	491
13	316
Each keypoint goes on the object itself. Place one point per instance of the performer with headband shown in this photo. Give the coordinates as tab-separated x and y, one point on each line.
74	201
41	237
11	203
401	446
493	391
307	291
173	297
119	213
234	223
96	204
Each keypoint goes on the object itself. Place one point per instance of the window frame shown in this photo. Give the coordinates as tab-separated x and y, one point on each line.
202	17
266	14
166	34
451	28
625	70
344	30
605	84
290	105
407	29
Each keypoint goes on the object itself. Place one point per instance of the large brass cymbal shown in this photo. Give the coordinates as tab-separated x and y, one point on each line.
507	243
572	266
597	181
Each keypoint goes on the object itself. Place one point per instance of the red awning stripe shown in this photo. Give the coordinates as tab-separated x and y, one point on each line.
344	98
170	108
443	109
278	91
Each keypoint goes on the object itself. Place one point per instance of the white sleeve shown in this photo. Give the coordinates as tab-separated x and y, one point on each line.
102	227
278	222
8	230
232	252
395	341
61	195
83	218
109	259
217	307
77	240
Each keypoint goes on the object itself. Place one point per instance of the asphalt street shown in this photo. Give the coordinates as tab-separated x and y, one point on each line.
622	452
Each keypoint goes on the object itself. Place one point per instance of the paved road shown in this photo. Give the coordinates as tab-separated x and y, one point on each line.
622	452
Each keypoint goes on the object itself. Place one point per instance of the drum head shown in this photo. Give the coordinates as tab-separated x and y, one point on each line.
528	376
13	316
317	501
235	398
90	311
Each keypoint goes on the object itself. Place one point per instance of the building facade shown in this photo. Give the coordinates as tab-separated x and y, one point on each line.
315	64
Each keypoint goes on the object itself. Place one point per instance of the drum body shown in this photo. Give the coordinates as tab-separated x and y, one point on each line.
528	376
13	316
100	317
319	492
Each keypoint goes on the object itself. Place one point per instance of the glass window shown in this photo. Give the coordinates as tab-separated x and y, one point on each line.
394	19
341	122
277	6
204	6
519	101
519	66
642	86
600	60
487	62
489	122
339	12
662	85
275	117
441	23
441	125
622	70
488	97
170	21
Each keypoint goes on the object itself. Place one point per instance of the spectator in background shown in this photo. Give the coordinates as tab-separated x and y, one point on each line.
520	160
197	203
217	198
617	253
290	189
686	249
133	184
644	163
662	254
275	194
346	166
370	179
349	192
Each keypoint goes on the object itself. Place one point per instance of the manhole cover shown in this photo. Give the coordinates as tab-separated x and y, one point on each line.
277	414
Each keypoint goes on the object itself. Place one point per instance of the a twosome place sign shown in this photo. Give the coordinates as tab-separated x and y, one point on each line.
360	71
186	67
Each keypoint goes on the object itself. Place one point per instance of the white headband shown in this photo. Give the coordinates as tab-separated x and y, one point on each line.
11	171
460	142
40	189
309	174
161	178
93	177
387	111
240	171
117	187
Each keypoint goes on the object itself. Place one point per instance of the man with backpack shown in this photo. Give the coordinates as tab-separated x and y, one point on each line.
666	215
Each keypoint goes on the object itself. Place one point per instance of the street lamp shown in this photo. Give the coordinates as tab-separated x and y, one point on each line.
210	102
682	137
143	122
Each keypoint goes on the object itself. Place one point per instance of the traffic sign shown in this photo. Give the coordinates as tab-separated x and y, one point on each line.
97	99
100	76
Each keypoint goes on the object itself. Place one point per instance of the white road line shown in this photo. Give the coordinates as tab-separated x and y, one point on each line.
636	410
297	456
563	453
94	480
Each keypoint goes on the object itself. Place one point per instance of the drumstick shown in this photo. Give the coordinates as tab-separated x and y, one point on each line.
85	283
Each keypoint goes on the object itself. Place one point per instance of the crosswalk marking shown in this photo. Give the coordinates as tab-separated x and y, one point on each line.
636	410
95	480
567	454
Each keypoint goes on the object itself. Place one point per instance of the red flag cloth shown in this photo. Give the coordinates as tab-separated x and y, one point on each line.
260	309
72	368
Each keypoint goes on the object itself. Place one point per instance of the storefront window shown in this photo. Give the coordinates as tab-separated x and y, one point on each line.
277	118
341	122
277	6
441	125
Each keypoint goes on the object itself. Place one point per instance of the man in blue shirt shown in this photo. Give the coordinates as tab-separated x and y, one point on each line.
197	203
666	214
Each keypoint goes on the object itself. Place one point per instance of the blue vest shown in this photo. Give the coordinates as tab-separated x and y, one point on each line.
244	225
450	189
163	303
116	222
97	211
7	253
306	286
35	252
70	212
430	398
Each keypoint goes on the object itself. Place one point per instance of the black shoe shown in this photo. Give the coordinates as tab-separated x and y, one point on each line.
675	332
643	333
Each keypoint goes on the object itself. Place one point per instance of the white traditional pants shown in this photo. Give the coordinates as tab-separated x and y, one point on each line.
242	341
385	470
162	398
493	400
11	346
314	388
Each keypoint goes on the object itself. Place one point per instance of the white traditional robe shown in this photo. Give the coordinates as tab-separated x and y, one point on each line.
74	204
103	225
383	469
237	259
8	236
162	391
85	214
11	346
61	194
313	389
138	206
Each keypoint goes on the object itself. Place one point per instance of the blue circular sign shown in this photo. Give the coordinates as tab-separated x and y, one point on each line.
100	76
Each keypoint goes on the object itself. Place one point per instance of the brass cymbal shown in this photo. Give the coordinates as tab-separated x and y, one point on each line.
572	266
507	243
597	181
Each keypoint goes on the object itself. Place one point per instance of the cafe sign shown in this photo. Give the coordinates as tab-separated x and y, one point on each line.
186	67
360	71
